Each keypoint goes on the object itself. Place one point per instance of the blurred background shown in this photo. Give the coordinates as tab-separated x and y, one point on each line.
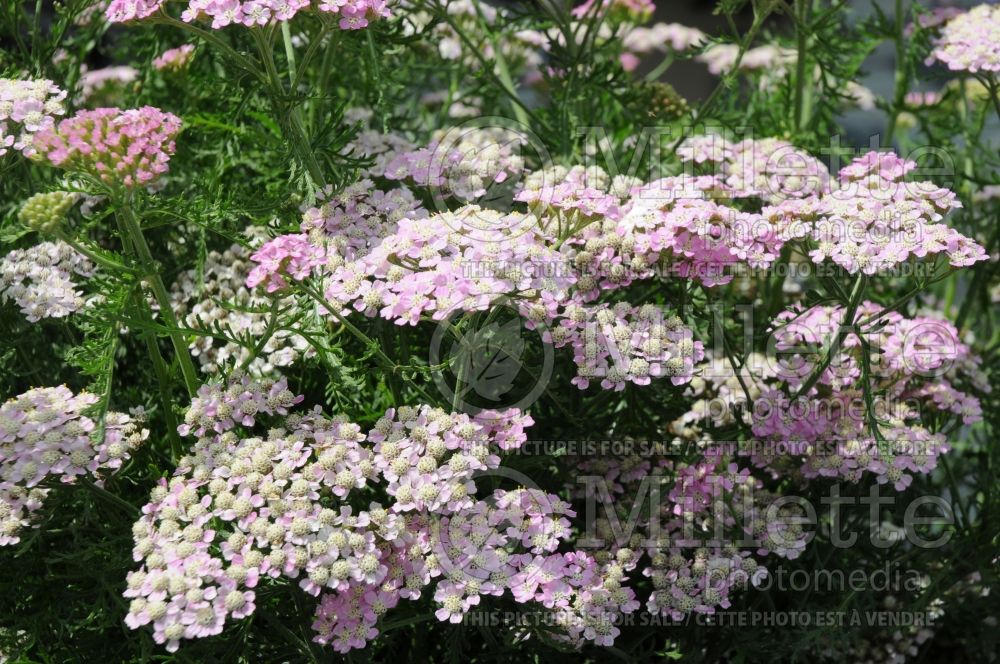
693	81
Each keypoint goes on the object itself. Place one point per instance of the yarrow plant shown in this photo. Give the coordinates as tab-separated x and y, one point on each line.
969	41
46	432
549	331
174	59
125	148
354	14
40	280
27	107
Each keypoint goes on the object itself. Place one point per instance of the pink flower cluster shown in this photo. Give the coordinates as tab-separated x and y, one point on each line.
27	107
624	344
353	221
826	429
39	280
127	148
970	41
447	263
242	508
769	59
464	163
933	17
675	225
704	505
876	219
45	433
174	59
869	220
286	256
354	14
100	83
769	168
380	148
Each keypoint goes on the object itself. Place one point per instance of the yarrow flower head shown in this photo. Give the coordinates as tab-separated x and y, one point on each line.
174	59
354	14
40	280
286	256
242	509
662	37
915	359
770	59
105	86
127	148
635	11
970	41
27	107
46	433
868	219
351	222
464	163
768	168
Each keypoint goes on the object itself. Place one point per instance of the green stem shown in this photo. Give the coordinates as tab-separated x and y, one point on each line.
163	382
272	322
361	336
109	497
287	113
286	38
803	77
848	322
901	79
657	71
152	276
162	379
314	45
866	388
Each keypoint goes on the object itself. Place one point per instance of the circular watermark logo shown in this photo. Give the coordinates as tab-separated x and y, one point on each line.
483	161
493	361
511	508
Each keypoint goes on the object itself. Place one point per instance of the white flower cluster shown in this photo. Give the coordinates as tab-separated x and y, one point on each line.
95	84
663	37
218	295
39	280
970	41
25	108
44	433
464	163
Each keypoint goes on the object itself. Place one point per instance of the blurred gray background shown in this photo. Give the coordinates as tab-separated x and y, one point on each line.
692	80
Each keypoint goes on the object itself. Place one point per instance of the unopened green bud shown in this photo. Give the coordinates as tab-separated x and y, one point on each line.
663	103
46	212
